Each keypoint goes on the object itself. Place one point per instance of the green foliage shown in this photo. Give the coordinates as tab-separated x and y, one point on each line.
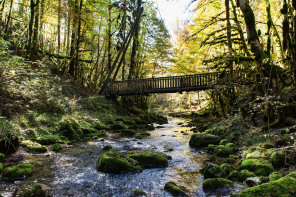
2	156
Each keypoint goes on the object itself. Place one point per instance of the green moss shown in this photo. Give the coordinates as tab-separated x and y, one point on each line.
227	168
258	154
56	147
216	183
18	171
127	133
119	125
70	129
260	167
224	142
202	140
1	167
211	147
223	151
279	159
275	176
139	192
168	148
244	174
2	156
175	190
283	187
115	162
230	145
150	158
36	191
49	139
33	147
212	171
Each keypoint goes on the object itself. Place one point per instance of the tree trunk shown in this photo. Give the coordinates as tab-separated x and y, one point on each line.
73	41
135	46
78	37
59	26
36	26
8	20
109	37
1	11
229	42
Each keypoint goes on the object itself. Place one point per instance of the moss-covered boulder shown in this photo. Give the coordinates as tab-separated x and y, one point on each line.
18	171
212	171
279	159
127	133
119	125
244	174
1	167
275	176
224	142
199	140
34	147
138	192
176	190
216	183
149	158
2	156
56	147
230	145
36	191
235	175
260	167
227	168
47	140
224	151
115	162
70	129
285	186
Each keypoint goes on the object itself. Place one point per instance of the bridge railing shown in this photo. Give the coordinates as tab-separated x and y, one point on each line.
174	83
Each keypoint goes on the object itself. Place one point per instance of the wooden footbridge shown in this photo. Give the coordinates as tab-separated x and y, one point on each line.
174	83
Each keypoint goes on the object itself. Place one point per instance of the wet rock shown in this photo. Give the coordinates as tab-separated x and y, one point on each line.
174	136
18	172
138	192
279	159
168	148
139	143
127	133
115	162
216	183
149	158
252	181
169	157
202	140
102	139
275	176
56	147
182	132
175	190
260	167
33	147
16	159
159	127
153	147
194	130
149	127
285	186
185	134
107	147
145	134
36	191
179	123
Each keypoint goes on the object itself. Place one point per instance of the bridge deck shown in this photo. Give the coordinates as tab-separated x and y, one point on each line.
174	83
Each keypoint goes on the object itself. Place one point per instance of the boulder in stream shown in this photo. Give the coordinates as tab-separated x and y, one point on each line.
34	147
260	167
149	158
199	140
175	190
36	191
19	171
115	162
216	183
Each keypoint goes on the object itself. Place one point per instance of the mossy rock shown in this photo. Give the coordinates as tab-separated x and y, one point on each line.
230	145
159	119
56	147
127	133
266	145
29	134
1	167
168	148
216	183
119	125
47	140
2	156
223	142
149	127
149	158
227	168
33	147
283	187
223	151
275	176
199	140
115	162
175	190
212	171
18	171
36	191
244	174
211	147
279	159
71	129
259	154
138	192
235	175
260	167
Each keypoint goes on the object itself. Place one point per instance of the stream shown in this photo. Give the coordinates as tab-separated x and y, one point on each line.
72	171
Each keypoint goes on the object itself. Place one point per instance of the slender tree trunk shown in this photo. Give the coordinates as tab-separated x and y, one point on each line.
1	11
229	42
73	41
59	26
109	37
135	46
68	28
123	35
269	23
31	23
8	20
41	25
78	37
36	25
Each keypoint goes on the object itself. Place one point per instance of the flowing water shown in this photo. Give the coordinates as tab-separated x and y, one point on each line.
72	171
